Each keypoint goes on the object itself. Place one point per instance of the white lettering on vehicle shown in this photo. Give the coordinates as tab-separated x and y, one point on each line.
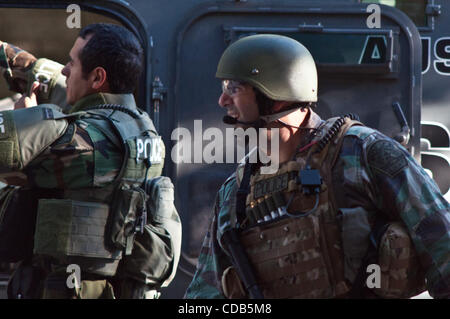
440	60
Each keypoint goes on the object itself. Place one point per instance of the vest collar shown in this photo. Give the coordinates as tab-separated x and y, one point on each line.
126	100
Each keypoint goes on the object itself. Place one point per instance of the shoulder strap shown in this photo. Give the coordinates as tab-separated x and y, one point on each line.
335	130
339	140
242	192
323	155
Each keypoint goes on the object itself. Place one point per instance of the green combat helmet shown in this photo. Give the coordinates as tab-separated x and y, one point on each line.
280	67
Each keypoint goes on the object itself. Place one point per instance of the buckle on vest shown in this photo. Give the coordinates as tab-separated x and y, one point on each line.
310	180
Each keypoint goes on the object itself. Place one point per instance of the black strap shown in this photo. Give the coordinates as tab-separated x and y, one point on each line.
242	192
242	263
231	239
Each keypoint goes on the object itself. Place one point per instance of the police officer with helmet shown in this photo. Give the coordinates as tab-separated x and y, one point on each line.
346	198
80	211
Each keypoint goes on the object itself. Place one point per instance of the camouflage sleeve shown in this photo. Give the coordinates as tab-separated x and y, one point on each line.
53	83
213	260
14	65
82	157
24	134
405	192
20	69
206	281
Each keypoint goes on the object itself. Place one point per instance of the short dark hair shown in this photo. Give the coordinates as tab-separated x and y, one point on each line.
115	49
265	103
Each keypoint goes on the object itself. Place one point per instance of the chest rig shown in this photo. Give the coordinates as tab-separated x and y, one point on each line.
289	232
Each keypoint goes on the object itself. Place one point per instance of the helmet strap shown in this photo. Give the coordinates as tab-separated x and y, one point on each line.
277	116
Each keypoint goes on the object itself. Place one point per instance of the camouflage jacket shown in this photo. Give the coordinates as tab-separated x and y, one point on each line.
83	157
373	172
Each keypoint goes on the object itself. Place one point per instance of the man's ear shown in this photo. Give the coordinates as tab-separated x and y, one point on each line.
99	79
279	105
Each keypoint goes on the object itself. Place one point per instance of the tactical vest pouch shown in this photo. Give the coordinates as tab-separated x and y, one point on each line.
17	220
132	289
232	286
128	205
156	251
73	232
294	257
287	259
401	274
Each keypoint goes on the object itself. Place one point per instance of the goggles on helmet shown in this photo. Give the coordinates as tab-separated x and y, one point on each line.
232	87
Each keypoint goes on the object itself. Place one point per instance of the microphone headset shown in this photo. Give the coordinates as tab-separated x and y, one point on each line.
231	121
263	120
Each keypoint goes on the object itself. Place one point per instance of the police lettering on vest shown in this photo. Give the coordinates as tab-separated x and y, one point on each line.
149	148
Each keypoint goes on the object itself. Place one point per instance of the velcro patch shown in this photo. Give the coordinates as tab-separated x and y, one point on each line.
384	157
6	153
7	127
47	113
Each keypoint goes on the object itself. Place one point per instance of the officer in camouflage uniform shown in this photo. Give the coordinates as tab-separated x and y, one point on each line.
345	199
75	165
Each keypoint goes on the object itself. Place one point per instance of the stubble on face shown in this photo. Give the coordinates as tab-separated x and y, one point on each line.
77	86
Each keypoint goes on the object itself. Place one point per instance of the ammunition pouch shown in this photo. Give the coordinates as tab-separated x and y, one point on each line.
401	274
288	258
156	250
298	253
127	218
385	244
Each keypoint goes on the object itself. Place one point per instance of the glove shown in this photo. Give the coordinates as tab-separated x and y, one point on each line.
14	64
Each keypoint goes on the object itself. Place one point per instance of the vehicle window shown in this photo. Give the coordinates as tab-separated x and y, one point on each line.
346	48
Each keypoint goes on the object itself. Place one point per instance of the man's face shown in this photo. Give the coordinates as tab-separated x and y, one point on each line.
239	100
77	86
